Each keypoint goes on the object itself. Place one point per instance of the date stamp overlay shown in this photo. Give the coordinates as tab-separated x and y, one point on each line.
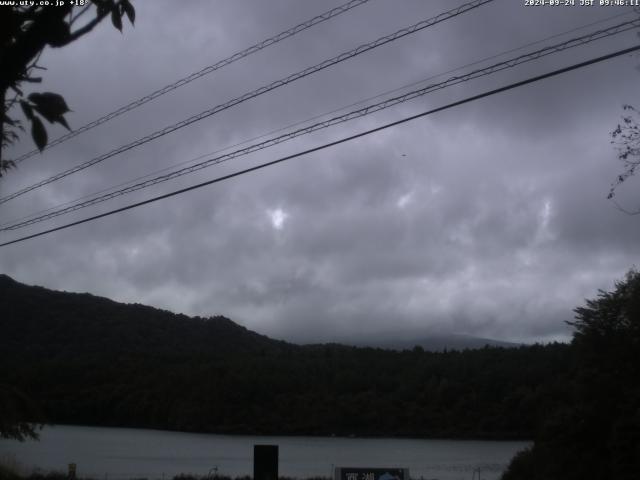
582	3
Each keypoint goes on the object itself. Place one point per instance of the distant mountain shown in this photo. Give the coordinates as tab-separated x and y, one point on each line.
89	360
93	322
433	343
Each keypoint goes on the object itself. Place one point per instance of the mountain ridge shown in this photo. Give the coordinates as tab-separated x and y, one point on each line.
432	342
88	360
93	321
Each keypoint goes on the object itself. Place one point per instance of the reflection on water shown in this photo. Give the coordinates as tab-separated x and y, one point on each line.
116	453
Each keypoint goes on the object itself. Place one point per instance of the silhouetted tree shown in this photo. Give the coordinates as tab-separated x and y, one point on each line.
93	361
597	434
626	137
19	415
25	31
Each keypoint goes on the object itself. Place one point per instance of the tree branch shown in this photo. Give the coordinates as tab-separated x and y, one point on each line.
86	29
82	12
29	44
624	210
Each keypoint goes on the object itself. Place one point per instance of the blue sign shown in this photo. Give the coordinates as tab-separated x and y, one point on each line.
359	473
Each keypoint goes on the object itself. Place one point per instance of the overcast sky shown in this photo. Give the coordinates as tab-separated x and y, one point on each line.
487	219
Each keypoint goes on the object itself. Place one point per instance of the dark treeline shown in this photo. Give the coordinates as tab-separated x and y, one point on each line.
81	359
595	431
89	360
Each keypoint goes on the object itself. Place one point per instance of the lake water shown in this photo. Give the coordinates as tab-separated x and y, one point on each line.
119	453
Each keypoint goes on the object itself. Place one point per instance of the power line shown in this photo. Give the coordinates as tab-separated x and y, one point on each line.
600	34
572	43
315	117
334	12
331	144
264	89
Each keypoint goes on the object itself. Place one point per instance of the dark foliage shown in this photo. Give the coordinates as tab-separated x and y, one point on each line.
596	434
626	138
89	360
20	416
26	29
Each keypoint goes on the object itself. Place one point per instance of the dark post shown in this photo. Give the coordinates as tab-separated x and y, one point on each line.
72	471
265	462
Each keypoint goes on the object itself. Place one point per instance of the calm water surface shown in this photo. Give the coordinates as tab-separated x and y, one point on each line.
118	453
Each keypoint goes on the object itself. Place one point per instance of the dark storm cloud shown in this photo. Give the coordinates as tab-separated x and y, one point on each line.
487	219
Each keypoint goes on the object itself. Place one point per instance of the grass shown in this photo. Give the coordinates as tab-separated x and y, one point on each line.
12	471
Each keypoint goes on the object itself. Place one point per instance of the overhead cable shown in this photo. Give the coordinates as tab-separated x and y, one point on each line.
315	117
334	12
331	144
264	89
572	43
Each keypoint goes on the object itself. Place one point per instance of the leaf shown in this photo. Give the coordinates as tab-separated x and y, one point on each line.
116	19
57	33
6	165
51	101
101	7
26	108
51	106
62	121
128	9
38	133
9	121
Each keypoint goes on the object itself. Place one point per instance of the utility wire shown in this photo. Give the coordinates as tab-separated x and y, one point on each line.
315	117
572	43
334	143
334	12
343	118
264	89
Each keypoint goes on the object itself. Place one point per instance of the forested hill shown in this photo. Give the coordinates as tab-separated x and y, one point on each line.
61	324
89	360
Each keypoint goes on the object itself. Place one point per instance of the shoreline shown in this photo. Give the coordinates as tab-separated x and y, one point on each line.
381	436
